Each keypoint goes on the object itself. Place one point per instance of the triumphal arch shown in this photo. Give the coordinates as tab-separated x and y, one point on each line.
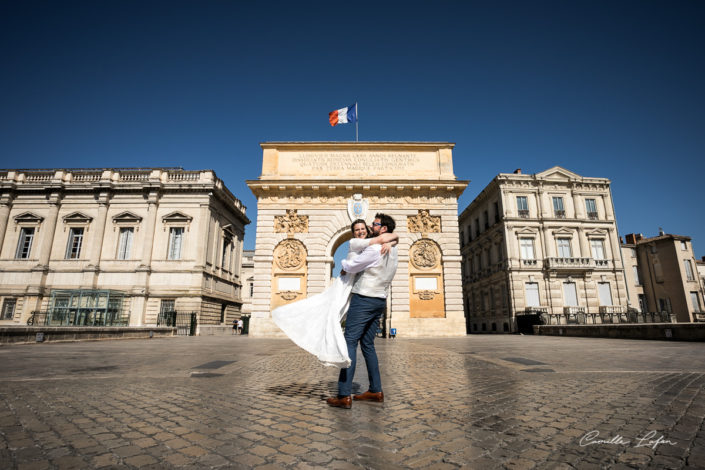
308	195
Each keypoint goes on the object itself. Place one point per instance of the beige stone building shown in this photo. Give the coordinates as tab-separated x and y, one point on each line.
93	245
247	272
309	193
540	243
664	275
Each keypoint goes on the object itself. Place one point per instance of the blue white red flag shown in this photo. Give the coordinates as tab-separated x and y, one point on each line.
343	115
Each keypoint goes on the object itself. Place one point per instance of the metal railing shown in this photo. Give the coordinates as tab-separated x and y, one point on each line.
184	322
78	317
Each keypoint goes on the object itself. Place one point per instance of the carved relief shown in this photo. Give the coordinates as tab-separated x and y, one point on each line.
288	295
291	222
426	295
425	254
424	222
290	254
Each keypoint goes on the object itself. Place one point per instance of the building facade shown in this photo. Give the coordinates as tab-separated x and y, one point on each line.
540	243
664	276
129	242
309	193
248	280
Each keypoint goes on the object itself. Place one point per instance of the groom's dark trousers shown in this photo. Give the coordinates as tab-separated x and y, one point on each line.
361	325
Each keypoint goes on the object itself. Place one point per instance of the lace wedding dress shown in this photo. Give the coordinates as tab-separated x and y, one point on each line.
314	323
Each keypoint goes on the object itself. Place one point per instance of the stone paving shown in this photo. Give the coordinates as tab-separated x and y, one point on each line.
514	402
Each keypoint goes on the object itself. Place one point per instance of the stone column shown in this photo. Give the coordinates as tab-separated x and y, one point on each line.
614	247
99	233
583	243
150	226
548	244
578	207
5	205
49	229
202	241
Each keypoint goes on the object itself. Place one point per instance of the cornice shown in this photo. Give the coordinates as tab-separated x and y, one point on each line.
277	187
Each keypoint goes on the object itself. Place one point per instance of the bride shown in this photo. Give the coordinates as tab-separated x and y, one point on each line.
314	323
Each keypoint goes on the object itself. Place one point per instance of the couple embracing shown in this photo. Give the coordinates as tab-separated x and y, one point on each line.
361	294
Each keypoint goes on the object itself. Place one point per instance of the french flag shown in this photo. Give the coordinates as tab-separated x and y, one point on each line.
343	115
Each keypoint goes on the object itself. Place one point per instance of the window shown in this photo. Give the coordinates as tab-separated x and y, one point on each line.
24	246
486	216
523	206
695	300
604	293
167	306
643	303
225	259
558	209
73	248
125	242
570	294
252	289
598	248
496	212
689	270
564	248
532	294
176	238
684	245
591	208
8	309
637	278
527	248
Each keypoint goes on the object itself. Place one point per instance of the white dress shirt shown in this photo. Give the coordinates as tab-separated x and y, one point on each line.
368	258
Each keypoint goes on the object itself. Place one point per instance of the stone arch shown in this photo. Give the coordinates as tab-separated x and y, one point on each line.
426	289
289	272
339	237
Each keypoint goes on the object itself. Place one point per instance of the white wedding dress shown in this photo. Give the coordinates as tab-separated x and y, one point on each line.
314	323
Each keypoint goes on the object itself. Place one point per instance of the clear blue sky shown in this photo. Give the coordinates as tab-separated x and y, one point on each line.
610	89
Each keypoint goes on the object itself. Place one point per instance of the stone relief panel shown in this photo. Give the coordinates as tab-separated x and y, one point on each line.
289	272
424	222
425	255
291	222
426	286
290	254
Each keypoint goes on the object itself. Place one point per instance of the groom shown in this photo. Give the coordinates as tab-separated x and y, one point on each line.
367	304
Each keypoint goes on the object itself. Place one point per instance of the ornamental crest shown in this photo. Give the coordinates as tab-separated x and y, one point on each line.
357	207
424	222
425	254
290	254
291	223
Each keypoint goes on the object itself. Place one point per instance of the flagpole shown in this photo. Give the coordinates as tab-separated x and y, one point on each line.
357	119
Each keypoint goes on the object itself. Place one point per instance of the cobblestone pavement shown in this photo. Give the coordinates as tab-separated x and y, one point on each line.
514	402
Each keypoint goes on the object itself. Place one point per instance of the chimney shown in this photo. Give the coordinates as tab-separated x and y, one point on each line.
517	171
631	238
661	232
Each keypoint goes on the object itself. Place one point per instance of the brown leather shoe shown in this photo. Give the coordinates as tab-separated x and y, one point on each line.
342	402
370	396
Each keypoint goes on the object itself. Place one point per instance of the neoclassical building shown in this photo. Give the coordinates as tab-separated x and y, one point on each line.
309	193
662	274
91	243
540	243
